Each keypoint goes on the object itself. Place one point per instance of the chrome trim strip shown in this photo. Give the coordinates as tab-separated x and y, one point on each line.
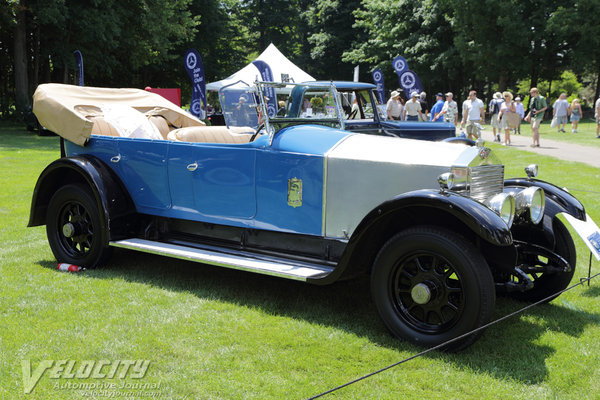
275	267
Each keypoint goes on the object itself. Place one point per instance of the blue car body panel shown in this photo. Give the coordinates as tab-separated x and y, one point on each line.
244	185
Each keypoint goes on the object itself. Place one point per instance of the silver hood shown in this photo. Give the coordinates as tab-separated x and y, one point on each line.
363	171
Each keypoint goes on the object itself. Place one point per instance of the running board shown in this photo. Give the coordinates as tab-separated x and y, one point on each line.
267	265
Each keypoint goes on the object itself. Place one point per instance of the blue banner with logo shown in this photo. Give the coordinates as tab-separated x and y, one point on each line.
409	81
195	70
378	80
79	59
267	76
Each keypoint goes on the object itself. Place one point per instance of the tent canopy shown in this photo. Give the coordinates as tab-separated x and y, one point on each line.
279	65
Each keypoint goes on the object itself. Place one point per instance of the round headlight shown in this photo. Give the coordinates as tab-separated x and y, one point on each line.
532	201
538	203
531	170
504	205
446	180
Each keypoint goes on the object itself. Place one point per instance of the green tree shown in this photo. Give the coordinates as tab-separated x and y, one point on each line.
577	26
419	31
123	42
273	21
330	31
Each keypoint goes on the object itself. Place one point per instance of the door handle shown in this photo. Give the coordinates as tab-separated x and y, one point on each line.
192	167
116	158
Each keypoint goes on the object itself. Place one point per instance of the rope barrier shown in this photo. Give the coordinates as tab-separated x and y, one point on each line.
581	282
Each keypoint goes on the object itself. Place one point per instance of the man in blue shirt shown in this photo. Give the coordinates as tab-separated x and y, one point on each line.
437	108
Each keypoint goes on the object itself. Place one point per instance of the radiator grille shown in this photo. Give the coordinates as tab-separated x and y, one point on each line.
486	181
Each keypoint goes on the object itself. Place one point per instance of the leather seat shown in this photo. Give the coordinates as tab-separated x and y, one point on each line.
212	134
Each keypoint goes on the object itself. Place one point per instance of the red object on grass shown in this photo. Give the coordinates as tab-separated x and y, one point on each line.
69	267
173	95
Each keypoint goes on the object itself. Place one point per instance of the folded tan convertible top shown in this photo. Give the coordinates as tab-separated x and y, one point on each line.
64	109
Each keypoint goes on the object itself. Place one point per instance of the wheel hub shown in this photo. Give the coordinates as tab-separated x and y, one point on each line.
68	230
421	293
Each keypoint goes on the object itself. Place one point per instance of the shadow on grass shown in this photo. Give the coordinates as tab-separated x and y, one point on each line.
14	135
508	350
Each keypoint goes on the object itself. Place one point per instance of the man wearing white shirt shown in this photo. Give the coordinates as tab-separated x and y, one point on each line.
473	111
521	112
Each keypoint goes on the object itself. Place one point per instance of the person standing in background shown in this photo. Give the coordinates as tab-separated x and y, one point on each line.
450	110
494	108
521	111
394	106
597	116
473	112
436	110
575	111
412	108
537	108
508	106
560	111
424	106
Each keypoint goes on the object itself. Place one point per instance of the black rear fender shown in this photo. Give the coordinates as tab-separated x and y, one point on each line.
88	171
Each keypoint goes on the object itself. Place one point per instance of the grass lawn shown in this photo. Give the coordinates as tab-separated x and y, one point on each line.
212	333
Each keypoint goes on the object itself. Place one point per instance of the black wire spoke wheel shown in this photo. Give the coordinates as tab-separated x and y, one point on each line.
430	285
74	227
546	280
427	291
78	229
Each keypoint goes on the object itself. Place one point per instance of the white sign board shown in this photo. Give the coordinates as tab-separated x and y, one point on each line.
589	232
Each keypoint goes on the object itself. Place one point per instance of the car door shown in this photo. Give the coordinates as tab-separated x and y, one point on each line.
142	165
212	182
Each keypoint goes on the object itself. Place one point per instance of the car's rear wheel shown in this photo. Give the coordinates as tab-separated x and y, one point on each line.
431	285
74	227
546	280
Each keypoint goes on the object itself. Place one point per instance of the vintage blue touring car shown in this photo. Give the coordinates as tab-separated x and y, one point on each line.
435	224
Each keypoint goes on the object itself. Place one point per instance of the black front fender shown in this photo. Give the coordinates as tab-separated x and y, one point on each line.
484	222
423	207
111	196
560	199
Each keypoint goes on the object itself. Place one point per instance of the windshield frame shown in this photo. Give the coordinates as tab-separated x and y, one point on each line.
273	123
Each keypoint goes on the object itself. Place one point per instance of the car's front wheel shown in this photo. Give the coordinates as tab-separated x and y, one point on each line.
431	285
74	227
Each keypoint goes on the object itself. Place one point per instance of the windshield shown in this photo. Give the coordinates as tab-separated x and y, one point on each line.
240	105
277	105
305	103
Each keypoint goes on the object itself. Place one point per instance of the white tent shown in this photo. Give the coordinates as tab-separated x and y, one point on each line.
279	64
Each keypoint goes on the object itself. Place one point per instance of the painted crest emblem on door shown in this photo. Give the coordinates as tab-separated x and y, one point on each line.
294	197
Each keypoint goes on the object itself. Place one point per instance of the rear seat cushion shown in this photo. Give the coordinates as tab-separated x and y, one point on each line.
212	134
102	128
162	125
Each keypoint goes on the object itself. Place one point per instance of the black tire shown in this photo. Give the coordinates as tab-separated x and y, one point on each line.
547	284
81	243
457	277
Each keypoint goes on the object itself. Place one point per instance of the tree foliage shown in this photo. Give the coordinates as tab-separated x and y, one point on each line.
451	44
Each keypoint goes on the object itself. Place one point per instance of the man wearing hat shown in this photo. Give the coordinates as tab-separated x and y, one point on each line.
450	110
436	110
521	112
412	108
394	106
